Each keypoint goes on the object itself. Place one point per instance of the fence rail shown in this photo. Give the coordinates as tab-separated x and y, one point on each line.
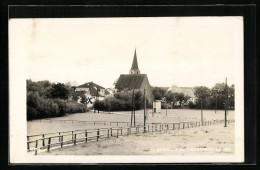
77	136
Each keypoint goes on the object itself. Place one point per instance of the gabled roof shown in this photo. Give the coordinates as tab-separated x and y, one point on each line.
134	64
90	85
189	91
130	81
78	93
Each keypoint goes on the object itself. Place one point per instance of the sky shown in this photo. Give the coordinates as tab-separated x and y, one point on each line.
182	51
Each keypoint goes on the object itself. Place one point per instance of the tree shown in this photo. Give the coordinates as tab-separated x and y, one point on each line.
181	98
202	93
158	93
83	99
171	97
59	90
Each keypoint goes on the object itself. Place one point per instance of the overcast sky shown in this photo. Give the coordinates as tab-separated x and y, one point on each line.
182	51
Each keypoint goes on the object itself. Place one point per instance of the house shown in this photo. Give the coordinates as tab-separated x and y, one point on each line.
134	80
91	88
91	91
187	91
110	91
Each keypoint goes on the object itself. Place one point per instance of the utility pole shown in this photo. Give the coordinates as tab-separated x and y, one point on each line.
132	112
201	110
166	107
216	105
144	111
134	105
226	104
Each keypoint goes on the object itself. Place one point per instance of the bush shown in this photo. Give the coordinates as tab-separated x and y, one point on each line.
191	105
40	107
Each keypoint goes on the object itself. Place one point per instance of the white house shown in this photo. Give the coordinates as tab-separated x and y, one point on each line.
187	91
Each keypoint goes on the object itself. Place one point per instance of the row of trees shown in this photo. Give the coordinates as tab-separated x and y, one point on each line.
45	99
121	101
214	98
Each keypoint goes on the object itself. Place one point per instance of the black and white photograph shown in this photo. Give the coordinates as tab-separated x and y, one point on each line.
126	89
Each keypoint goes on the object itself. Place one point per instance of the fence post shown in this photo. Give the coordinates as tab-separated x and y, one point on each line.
86	135
148	127
28	146
121	131
130	130
59	136
94	122
61	144
117	133
183	125
108	133
72	136
43	140
111	131
97	134
75	139
49	144
36	144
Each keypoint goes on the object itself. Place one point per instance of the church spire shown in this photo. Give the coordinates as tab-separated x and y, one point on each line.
134	69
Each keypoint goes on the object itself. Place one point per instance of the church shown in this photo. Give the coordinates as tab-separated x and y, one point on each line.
134	80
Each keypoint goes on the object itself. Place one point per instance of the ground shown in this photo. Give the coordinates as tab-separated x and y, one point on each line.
206	140
214	139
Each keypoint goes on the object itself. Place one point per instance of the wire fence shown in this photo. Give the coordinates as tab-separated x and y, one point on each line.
59	139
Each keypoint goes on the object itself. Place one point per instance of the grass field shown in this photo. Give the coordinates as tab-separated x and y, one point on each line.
173	116
200	140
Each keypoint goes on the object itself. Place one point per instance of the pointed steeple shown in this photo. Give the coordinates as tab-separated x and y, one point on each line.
134	68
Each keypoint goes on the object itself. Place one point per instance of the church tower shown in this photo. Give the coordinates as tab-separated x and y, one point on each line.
134	69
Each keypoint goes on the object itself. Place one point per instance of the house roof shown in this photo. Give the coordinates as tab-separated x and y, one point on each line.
130	81
78	93
90	85
189	91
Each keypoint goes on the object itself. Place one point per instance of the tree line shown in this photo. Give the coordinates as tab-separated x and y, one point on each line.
122	101
214	98
45	99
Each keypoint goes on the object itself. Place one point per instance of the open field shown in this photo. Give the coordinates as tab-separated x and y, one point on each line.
173	116
204	140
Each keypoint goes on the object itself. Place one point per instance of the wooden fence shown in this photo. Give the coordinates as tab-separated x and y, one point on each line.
77	136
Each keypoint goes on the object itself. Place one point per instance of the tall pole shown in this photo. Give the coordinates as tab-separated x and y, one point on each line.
134	105
226	105
201	110
216	105
166	107
144	110
132	108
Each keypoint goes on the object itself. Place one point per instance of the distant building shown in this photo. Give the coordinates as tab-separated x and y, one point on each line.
92	88
188	91
91	91
134	80
157	105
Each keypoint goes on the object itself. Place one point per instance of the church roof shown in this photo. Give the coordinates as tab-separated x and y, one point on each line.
135	64
130	81
185	90
90	85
